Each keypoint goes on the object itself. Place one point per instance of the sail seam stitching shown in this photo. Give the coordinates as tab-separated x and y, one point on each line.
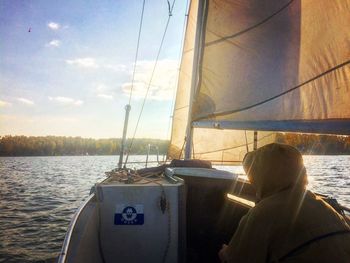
276	96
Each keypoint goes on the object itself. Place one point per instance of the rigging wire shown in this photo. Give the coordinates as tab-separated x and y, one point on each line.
182	148
246	140
150	82
170	10
137	51
128	107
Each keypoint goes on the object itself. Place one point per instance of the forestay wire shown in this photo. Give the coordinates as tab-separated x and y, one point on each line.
137	51
150	82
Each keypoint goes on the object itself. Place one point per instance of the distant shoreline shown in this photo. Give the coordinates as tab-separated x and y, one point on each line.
23	146
76	146
160	155
76	155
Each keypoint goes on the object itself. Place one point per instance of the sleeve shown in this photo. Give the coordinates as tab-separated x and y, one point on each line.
250	241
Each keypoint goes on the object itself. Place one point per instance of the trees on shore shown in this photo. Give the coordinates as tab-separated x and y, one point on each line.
59	145
316	144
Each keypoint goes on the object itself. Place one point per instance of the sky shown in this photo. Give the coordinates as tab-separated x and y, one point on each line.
66	67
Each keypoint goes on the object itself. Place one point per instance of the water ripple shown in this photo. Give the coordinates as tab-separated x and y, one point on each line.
39	196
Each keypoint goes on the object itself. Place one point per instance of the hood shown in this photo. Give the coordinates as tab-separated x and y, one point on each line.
273	168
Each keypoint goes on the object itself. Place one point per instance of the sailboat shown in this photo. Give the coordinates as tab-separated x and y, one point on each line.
248	69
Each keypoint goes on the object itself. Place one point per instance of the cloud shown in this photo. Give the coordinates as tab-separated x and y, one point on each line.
66	101
104	92
117	68
53	26
89	62
105	96
163	83
4	104
101	88
26	101
83	62
78	102
54	43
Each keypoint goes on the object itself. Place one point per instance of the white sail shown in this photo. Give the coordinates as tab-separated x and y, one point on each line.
226	147
279	61
181	110
271	65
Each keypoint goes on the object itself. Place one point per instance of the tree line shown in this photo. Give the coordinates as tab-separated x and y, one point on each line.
59	145
316	144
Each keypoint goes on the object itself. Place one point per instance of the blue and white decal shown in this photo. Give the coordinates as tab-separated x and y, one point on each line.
129	215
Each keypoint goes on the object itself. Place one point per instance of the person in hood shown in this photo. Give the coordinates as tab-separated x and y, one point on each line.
288	222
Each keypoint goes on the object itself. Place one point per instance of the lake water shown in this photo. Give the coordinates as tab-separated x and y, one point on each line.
39	195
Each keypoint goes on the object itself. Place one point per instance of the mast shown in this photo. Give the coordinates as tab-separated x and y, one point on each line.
195	74
126	120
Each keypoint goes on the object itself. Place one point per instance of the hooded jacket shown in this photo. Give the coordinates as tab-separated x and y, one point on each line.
288	223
